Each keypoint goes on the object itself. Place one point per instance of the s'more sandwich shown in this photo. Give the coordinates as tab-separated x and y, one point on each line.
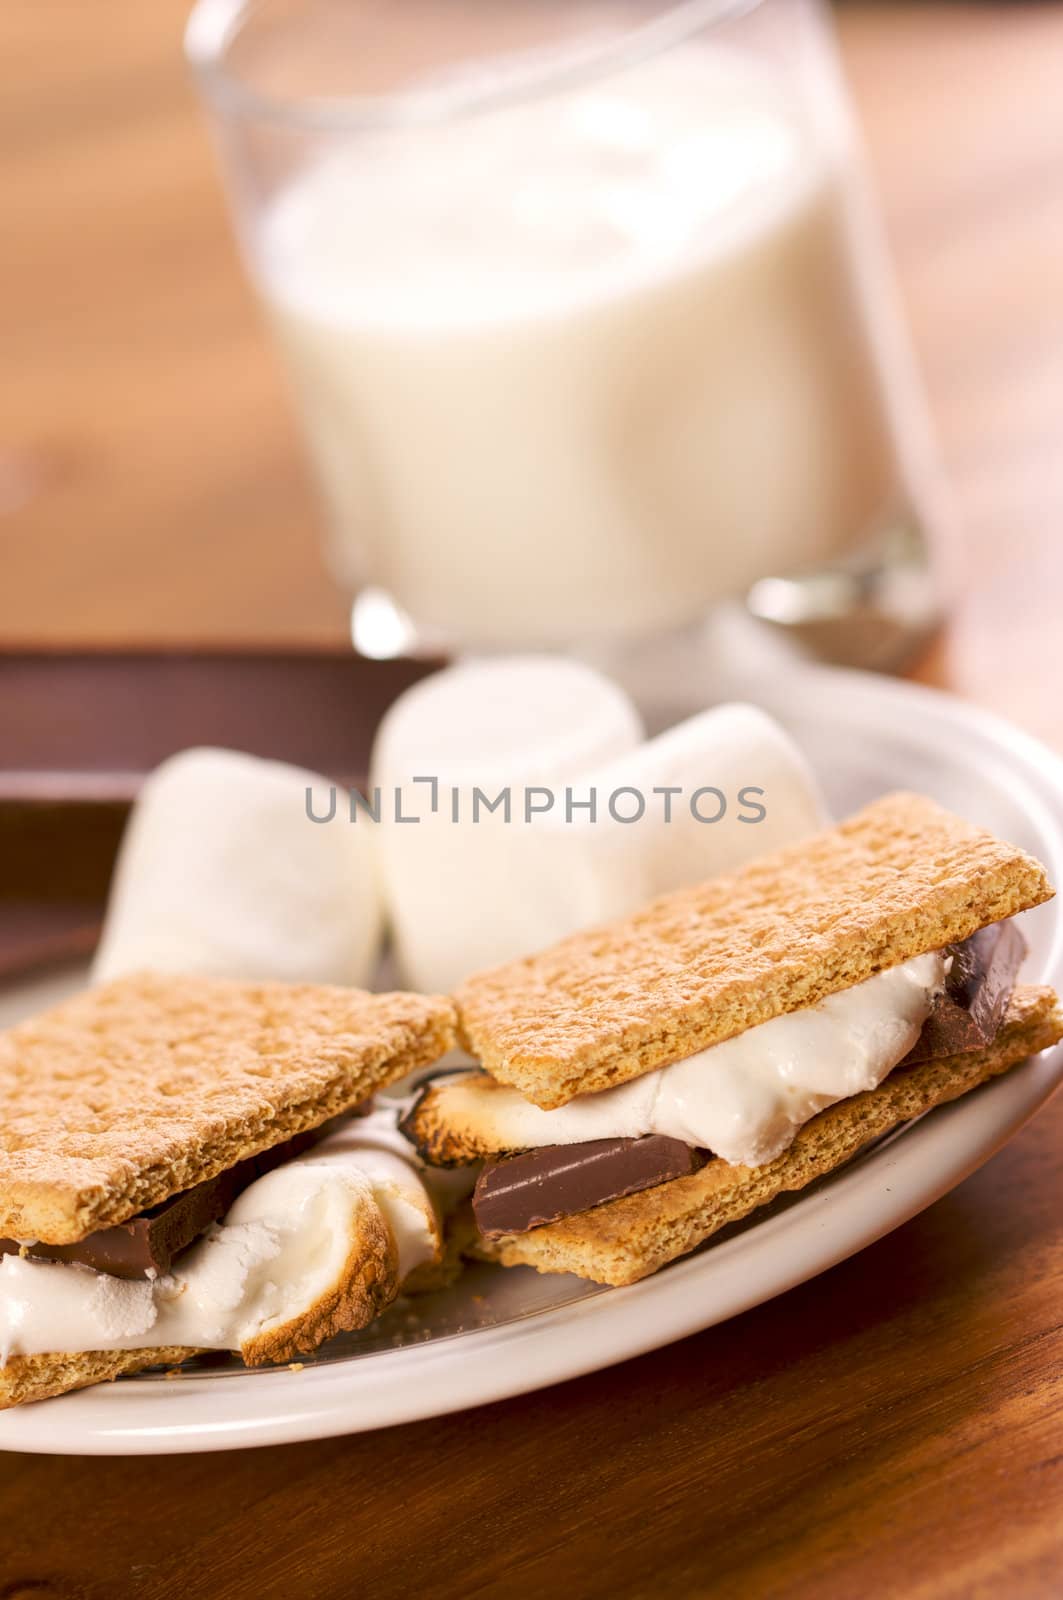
178	1174
647	1082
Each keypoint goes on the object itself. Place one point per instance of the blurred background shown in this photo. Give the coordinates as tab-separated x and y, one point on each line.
156	501
153	486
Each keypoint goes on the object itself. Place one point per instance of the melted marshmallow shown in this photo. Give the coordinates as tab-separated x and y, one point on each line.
743	1099
281	1246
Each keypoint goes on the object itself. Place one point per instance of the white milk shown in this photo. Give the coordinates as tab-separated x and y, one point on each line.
585	366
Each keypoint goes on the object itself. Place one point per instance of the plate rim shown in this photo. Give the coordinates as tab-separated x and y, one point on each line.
817	1231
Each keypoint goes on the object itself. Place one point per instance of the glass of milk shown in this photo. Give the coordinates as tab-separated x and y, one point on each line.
582	308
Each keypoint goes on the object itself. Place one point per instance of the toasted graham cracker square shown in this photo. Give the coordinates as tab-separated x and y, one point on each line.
697	966
136	1090
628	1239
28	1378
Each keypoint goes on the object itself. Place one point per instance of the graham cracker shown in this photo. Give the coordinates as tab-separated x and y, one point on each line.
133	1091
625	1240
27	1378
700	965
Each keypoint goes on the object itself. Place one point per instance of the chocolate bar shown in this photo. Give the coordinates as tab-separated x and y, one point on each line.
968	1014
147	1245
554	1181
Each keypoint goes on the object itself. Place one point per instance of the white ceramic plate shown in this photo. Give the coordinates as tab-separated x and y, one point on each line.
499	1333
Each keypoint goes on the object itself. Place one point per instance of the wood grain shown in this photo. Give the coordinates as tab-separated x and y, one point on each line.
960	106
890	1430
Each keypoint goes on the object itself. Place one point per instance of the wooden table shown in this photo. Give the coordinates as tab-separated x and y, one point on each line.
892	1429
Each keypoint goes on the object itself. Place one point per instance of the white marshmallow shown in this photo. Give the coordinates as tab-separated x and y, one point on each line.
753	780
743	1099
222	873
465	895
279	1256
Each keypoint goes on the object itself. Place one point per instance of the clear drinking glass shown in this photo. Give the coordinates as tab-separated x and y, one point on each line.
584	312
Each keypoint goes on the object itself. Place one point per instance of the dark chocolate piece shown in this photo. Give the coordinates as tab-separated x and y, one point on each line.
530	1190
150	1243
968	1014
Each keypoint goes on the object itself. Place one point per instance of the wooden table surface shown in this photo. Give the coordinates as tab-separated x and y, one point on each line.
894	1428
